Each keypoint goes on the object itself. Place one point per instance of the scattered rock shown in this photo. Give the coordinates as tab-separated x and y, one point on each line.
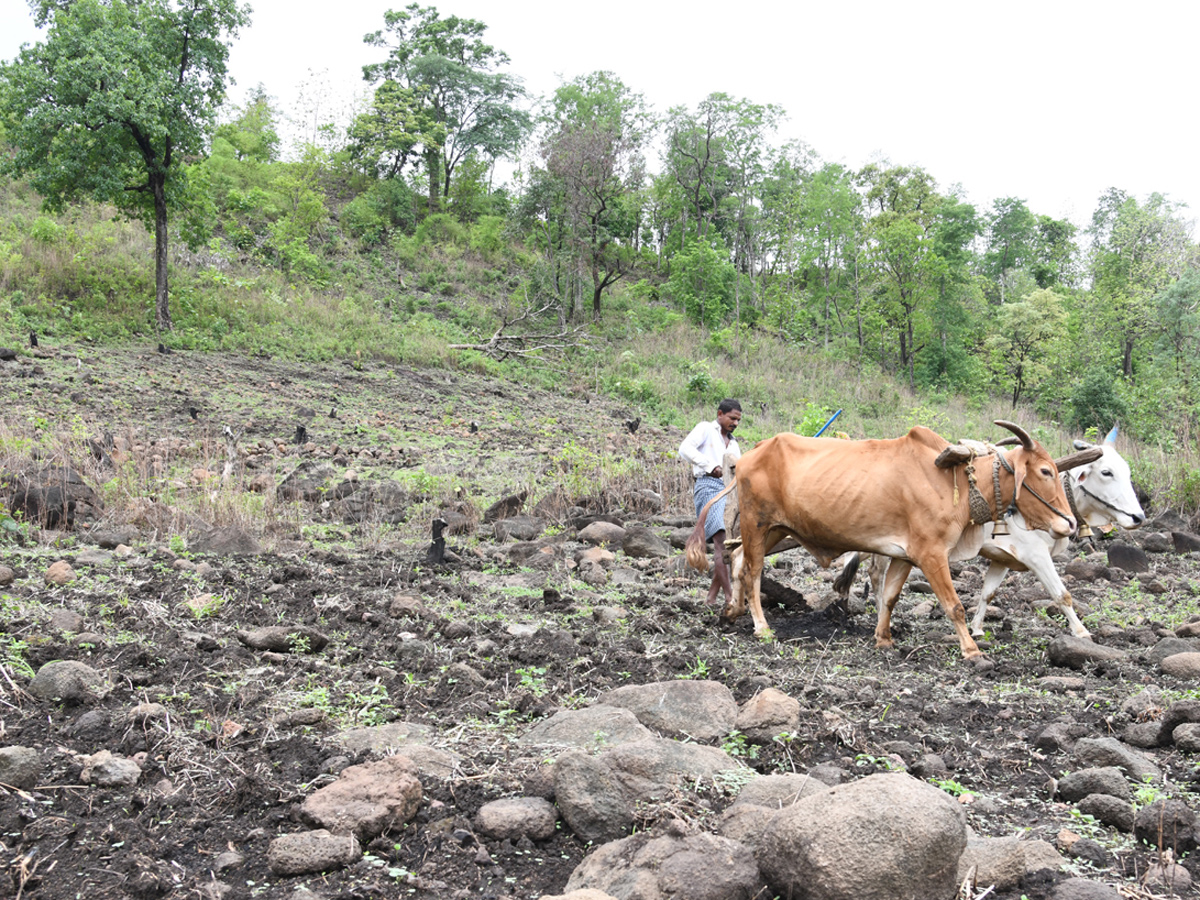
284	639
1128	557
1076	653
992	861
696	867
1169	824
1111	752
516	817
1105	780
594	727
1182	665
59	573
103	769
768	713
310	852
1109	809
702	710
366	800
69	681
841	844
603	533
20	767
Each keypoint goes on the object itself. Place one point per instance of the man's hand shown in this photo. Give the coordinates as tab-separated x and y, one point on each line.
716	472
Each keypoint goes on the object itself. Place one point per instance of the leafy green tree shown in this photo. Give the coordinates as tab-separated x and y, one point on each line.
1028	341
1056	254
252	132
701	282
114	101
830	227
447	91
1138	249
1011	233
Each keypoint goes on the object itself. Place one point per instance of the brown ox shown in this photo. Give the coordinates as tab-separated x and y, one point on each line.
908	498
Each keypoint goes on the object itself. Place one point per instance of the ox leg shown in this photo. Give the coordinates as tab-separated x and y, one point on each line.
1042	566
749	583
886	597
736	605
879	566
938	573
991	583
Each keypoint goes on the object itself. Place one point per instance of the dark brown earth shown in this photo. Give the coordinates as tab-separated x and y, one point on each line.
222	772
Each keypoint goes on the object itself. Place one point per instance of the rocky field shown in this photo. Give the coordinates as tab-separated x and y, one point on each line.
239	665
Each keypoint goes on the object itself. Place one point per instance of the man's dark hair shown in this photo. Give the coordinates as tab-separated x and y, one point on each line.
728	405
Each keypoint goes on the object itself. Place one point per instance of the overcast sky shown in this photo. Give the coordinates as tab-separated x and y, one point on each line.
1052	102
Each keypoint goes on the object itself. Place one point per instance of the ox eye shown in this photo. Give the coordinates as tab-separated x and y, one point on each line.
1107	473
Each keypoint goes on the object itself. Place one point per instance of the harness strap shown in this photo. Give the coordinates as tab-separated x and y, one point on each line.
1085	530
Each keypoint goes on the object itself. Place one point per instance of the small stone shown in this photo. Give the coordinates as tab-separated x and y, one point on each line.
59	573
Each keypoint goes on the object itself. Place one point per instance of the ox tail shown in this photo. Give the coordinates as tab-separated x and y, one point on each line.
845	580
697	555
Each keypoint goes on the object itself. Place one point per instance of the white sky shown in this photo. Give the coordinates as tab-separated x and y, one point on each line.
1052	101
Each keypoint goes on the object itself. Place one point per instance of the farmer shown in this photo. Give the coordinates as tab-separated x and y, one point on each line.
705	447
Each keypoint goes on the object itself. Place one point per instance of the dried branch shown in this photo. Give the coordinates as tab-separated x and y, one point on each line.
503	344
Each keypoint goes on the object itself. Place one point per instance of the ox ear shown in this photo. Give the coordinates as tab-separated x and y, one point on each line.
1111	437
1082	458
954	455
1021	433
1080	445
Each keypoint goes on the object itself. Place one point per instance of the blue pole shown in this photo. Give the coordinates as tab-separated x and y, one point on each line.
827	424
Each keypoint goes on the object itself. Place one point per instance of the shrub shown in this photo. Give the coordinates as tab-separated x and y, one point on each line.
1095	403
441	228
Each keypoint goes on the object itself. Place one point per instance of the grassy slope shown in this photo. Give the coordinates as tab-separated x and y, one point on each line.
85	277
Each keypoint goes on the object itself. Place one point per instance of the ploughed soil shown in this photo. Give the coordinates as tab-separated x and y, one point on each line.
226	767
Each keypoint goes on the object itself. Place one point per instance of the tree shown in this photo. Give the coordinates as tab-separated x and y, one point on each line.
1012	229
114	101
595	152
445	84
251	132
1137	251
1028	340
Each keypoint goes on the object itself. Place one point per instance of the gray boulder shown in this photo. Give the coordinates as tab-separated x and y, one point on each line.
693	867
1111	752
702	710
67	680
1104	780
843	843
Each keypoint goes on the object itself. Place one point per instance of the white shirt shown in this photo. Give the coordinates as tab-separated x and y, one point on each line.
705	448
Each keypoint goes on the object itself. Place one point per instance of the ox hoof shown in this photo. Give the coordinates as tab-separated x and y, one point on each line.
765	635
882	644
980	663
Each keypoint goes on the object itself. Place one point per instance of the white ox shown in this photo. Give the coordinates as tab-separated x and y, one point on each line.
1101	495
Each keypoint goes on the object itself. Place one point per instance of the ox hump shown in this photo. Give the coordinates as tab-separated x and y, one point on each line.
927	437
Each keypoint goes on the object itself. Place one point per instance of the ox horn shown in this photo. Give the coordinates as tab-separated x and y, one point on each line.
1008	441
1026	440
1082	458
1112	436
954	455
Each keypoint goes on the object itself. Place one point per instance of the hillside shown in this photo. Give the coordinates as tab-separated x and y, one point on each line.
237	643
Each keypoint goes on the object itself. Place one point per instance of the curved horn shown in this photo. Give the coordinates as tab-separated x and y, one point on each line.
1008	441
1026	440
1082	458
954	455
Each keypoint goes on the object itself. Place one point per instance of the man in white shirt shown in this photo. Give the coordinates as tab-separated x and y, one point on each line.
705	448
